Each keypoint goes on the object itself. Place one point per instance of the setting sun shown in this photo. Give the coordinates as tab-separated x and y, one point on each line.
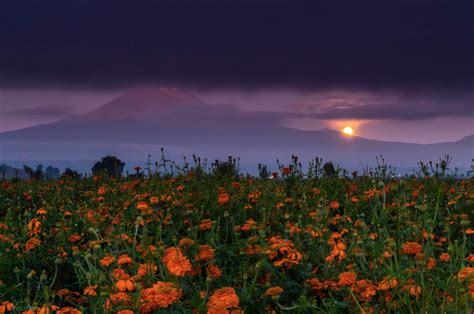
348	130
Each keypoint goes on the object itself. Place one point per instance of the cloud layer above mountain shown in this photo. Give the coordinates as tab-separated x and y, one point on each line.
245	44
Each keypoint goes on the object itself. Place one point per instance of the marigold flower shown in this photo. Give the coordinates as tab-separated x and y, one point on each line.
90	291
45	309
124	259
34	227
214	271
186	242
124	285
347	279
223	198
430	263
6	306
144	208
107	260
68	310
415	290
334	204
118	298
32	244
205	253
411	248
176	262
223	300
465	272
249	225
412	288
284	249
145	269
41	211
274	291
160	295
387	283
73	238
125	312
206	224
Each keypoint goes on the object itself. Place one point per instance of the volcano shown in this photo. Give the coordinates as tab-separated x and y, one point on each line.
142	120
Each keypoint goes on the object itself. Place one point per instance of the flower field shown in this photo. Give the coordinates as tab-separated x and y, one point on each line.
202	243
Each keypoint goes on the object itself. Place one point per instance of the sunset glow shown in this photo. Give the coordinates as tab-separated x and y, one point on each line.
348	131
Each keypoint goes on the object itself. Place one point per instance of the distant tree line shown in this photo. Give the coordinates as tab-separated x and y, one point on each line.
111	166
39	173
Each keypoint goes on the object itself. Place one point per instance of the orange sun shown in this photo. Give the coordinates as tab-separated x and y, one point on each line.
348	130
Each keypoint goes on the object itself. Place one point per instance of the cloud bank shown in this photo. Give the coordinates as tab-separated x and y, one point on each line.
238	44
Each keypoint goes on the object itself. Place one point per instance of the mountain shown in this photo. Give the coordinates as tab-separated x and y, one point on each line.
143	120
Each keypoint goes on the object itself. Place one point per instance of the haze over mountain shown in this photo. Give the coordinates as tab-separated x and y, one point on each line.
143	120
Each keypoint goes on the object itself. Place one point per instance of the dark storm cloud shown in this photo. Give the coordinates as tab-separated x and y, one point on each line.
395	111
243	44
382	106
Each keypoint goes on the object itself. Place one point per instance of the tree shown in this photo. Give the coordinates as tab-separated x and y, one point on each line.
28	171
38	174
68	172
52	172
109	165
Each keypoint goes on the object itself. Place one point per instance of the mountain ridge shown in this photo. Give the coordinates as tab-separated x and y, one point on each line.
149	117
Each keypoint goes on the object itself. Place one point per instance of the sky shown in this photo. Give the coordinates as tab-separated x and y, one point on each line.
392	70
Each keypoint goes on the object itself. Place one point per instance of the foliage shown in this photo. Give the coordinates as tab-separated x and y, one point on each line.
205	242
109	165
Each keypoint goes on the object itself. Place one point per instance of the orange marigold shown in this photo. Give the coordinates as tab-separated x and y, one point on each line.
176	262
412	248
68	310
124	259
124	285
387	283
430	263
6	306
186	242
223	198
41	211
32	244
118	298
205	253
206	224
444	257
145	269
334	204
347	279
107	260
214	271
160	295
466	272
223	300
273	291
90	291
249	225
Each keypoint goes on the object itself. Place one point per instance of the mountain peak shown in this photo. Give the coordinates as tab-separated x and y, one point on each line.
147	99
162	95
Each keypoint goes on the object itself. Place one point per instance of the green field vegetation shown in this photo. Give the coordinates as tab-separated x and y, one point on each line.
219	242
